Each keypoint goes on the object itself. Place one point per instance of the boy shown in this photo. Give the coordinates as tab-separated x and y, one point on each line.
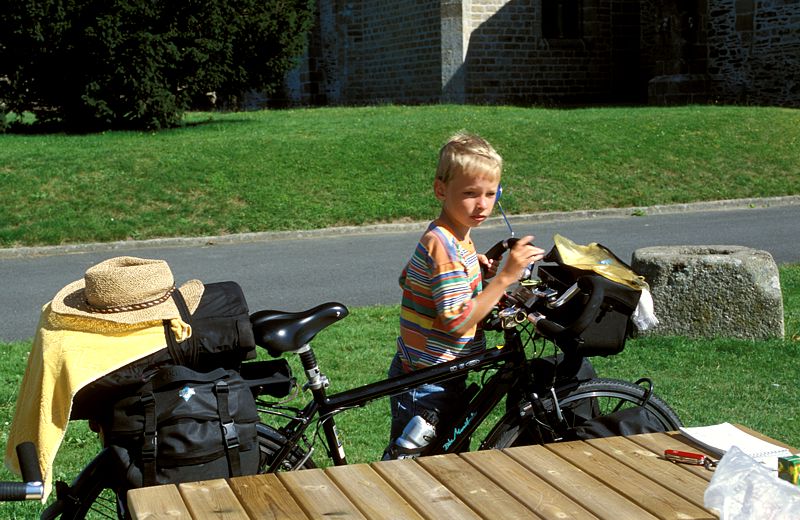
443	295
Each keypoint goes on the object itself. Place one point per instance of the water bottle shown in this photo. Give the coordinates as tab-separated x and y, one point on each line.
417	434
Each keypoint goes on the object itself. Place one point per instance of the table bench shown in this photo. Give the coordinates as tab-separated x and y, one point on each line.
610	478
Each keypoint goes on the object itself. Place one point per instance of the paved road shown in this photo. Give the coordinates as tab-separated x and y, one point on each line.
296	271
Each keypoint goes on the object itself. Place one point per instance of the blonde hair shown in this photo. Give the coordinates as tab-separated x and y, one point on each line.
468	154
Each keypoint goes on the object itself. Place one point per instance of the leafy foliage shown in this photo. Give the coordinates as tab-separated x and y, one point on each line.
88	65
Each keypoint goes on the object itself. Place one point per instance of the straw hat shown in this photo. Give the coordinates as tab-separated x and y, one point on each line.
127	290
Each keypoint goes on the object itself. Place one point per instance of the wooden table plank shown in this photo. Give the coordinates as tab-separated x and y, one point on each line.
649	495
528	488
475	489
265	498
581	487
158	502
674	477
427	495
376	498
318	495
212	499
658	442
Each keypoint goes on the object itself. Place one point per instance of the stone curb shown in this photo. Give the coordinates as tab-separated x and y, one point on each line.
637	211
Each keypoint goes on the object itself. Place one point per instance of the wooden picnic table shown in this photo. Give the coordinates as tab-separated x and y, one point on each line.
609	478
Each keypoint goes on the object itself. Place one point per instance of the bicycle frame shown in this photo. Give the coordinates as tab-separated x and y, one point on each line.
509	361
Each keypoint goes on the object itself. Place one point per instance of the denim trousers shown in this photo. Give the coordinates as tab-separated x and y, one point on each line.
445	398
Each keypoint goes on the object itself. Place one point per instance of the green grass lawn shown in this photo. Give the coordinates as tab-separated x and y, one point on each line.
317	168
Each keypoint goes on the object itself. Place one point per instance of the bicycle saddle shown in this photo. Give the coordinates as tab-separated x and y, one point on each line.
280	331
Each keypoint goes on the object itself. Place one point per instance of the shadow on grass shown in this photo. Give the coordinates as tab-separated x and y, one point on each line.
33	127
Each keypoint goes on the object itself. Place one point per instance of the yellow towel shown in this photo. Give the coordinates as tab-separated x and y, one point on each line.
597	258
68	353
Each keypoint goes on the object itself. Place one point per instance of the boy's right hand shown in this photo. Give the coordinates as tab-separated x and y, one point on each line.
520	256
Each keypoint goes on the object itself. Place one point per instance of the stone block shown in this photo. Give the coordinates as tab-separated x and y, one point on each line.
713	291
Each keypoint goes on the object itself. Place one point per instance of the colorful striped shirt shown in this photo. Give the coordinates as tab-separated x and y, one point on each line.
439	284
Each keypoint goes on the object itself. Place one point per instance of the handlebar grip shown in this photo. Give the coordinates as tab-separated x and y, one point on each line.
29	462
497	250
549	329
32	488
14	491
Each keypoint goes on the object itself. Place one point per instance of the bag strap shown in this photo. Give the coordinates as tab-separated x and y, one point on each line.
185	352
228	428
149	438
171	374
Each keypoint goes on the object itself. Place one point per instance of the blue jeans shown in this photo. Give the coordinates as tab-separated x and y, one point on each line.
445	398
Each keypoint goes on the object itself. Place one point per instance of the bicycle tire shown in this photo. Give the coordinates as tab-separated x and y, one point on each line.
602	396
270	441
92	496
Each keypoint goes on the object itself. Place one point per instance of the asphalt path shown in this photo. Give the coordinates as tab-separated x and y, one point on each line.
360	266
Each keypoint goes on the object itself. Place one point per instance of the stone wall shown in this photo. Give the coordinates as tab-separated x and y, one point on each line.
381	51
723	51
477	51
508	60
754	51
495	51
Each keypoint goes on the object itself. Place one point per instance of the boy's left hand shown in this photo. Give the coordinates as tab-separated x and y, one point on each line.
488	267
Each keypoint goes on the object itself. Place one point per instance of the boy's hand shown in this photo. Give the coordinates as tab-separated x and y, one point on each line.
488	266
521	256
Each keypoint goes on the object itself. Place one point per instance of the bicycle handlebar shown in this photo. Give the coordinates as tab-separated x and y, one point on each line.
32	487
567	307
497	250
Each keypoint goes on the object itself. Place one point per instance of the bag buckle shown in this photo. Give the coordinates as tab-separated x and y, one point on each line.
231	437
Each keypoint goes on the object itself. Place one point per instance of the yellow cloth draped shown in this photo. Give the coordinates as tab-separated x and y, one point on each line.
68	353
597	258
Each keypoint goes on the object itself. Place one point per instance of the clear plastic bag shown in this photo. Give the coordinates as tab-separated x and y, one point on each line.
744	489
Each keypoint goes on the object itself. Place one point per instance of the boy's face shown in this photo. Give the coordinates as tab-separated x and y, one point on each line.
466	201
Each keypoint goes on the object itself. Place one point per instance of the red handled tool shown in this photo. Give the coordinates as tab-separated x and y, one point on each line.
688	457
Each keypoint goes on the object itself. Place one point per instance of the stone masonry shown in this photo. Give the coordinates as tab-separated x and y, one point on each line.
504	51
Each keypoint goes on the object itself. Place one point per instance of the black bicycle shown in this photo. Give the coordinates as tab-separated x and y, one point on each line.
548	398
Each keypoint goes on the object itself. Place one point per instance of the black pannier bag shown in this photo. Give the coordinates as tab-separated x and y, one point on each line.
625	422
190	407
597	320
184	425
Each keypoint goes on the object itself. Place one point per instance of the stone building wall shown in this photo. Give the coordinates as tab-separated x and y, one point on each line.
496	51
754	51
511	59
722	51
379	51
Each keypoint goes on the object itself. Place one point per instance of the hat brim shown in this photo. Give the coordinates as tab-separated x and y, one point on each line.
71	301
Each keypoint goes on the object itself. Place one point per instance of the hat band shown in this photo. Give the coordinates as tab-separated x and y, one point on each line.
133	306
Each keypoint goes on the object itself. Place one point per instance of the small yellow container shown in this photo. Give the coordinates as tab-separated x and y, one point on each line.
789	468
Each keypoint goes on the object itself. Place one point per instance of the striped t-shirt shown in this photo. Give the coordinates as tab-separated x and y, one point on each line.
439	284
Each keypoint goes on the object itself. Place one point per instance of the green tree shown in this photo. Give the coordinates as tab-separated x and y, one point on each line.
89	65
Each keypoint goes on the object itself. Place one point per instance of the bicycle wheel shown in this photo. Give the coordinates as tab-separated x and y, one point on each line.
270	441
91	494
587	400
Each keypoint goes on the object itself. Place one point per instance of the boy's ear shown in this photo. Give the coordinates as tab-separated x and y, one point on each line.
439	189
